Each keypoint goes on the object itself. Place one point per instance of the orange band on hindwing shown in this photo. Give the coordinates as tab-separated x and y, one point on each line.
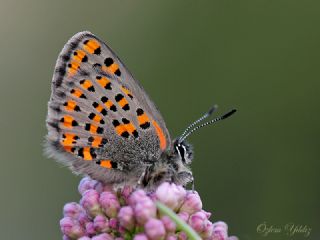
161	136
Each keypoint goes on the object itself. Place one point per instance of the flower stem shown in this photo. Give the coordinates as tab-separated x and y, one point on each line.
180	223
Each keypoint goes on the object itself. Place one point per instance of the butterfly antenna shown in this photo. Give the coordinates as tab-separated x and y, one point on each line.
207	114
228	114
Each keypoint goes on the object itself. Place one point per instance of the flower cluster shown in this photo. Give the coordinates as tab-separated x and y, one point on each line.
105	214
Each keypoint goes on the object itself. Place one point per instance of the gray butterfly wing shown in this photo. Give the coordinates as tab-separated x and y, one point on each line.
100	120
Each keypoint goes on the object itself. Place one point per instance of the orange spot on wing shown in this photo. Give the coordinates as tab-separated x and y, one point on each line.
143	119
68	139
67	121
108	69
96	142
79	55
129	127
106	164
161	136
77	93
97	118
103	81
73	67
120	129
99	108
86	153
86	84
113	67
68	148
126	91
91	45
123	102
108	104
70	105
93	128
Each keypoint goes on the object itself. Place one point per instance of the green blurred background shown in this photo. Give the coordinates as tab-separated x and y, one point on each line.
259	56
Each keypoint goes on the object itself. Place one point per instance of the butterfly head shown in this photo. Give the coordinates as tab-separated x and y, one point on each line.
183	151
175	164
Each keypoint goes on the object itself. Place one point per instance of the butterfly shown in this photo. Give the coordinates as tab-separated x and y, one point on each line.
101	122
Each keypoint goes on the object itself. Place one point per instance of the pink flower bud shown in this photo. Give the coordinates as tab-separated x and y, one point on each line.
90	202
83	218
198	221
220	224
136	197
122	230
71	228
192	203
90	228
182	236
184	216
87	183
72	210
105	214
171	195
207	231
154	229
101	223
153	196
103	236
171	237
140	237
126	192
220	231
109	203
126	217
169	225
113	223
145	210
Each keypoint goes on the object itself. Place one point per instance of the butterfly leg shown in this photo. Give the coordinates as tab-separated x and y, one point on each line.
141	181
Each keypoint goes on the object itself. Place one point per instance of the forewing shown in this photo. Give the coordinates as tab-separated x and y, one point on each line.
99	117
